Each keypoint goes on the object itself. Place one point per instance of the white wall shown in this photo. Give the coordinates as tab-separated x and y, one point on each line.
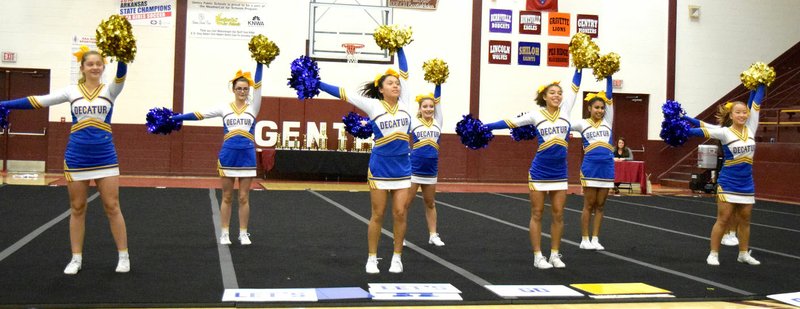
40	32
729	36
636	30
442	33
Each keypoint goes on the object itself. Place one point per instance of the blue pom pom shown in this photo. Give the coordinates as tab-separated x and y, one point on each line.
527	132
305	77
159	121
674	128
474	134
4	117
357	125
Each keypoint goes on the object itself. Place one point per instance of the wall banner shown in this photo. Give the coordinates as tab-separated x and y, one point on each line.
500	52
558	24
414	4
557	55
159	13
588	24
529	53
225	19
530	22
500	20
542	5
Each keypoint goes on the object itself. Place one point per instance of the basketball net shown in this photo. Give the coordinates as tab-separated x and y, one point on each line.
350	51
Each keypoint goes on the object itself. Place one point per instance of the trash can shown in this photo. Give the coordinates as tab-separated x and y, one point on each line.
707	156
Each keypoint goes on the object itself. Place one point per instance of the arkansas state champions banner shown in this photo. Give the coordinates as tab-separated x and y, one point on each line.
542	5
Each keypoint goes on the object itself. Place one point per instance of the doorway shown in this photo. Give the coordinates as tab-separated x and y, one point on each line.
630	120
23	145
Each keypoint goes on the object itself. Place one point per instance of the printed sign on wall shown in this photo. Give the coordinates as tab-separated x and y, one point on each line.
588	24
500	52
530	22
148	13
557	55
529	53
558	24
542	5
225	19
500	20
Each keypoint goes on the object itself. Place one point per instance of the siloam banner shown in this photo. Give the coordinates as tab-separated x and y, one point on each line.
588	24
499	52
225	19
530	22
529	53
159	13
558	24
557	55
500	20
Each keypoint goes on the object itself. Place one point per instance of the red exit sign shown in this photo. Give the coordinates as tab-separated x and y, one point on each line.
9	56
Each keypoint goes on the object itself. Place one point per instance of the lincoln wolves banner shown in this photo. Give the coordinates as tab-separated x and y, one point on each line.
542	5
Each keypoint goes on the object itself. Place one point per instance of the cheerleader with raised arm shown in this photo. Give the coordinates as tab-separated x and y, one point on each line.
385	100
426	129
90	153
597	169
548	173
735	192
237	158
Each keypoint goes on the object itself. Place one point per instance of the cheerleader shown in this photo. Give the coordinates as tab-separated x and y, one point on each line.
597	170
237	158
735	190
386	102
425	131
548	173
90	151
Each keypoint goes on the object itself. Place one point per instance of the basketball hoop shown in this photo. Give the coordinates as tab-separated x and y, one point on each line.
350	51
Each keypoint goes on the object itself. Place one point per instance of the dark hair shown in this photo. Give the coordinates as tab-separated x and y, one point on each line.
625	149
724	114
83	59
240	79
371	91
540	96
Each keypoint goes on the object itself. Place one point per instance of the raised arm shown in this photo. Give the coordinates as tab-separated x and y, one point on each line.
256	104
119	79
755	107
570	93
405	90
437	111
609	116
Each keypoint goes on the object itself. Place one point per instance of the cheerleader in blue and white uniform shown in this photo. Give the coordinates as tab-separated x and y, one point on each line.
386	101
237	158
426	129
548	172
597	170
735	192
90	151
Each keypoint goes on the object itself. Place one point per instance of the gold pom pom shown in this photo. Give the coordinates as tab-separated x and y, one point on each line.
115	38
583	50
758	73
606	65
263	50
436	71
392	37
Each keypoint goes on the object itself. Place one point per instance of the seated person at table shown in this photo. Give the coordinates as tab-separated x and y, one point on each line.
621	153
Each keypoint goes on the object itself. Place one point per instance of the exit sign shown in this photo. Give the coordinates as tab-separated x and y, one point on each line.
616	84
9	56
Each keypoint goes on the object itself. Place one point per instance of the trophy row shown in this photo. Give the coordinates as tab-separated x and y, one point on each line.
321	143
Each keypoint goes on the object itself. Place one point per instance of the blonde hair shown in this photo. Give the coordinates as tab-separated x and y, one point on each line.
83	59
724	113
419	109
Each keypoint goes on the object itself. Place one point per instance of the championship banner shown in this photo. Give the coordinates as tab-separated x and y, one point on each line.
500	20
557	55
530	22
529	53
160	13
500	52
225	19
542	5
588	24
414	4
558	24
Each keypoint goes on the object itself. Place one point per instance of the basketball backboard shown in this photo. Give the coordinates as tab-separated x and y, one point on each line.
334	23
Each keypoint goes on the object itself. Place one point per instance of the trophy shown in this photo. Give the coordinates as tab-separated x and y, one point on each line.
279	142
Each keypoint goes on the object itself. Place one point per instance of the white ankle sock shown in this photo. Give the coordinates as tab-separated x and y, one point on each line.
584	238
77	256
123	254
